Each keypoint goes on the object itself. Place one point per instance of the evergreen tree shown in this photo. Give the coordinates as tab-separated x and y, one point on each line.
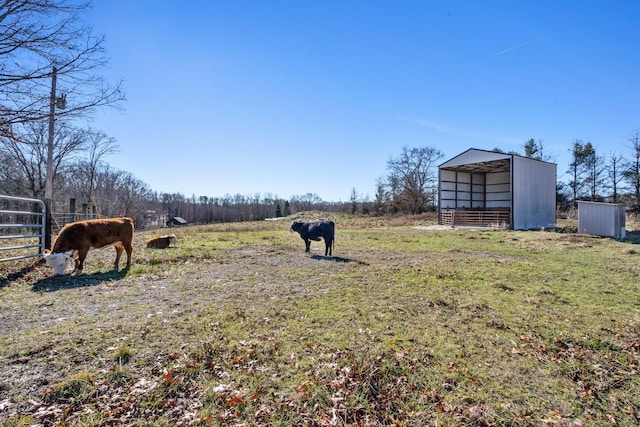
579	154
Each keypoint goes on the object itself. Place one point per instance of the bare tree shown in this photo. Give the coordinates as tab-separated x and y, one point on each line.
37	36
29	154
108	182
173	204
614	175
632	170
412	176
99	145
116	192
11	176
45	49
131	194
305	202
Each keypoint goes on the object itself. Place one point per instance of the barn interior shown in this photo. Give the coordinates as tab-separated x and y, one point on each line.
476	194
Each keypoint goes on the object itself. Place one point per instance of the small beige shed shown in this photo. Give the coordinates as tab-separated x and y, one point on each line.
602	219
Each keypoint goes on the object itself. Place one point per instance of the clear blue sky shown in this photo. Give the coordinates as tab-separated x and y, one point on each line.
290	97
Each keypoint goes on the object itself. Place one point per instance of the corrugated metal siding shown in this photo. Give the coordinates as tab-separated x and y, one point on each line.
462	190
534	193
447	184
498	190
602	219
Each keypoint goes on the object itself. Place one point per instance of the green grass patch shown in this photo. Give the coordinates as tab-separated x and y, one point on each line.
405	326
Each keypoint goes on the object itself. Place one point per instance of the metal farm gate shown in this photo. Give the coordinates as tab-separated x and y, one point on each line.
21	228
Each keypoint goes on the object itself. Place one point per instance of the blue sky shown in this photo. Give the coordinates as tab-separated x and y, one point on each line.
294	97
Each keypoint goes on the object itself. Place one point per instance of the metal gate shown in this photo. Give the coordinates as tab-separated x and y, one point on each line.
21	231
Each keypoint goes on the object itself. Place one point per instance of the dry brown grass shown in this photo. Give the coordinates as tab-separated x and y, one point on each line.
405	326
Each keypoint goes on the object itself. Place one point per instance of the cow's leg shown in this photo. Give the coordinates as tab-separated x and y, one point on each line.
82	255
327	246
307	243
119	250
129	249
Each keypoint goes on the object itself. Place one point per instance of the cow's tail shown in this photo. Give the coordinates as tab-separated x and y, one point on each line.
333	241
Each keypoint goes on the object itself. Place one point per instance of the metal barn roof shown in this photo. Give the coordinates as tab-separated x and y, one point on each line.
475	160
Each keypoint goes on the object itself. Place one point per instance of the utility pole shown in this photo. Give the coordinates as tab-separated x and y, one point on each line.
48	186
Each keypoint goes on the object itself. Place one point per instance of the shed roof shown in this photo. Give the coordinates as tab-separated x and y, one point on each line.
475	160
589	202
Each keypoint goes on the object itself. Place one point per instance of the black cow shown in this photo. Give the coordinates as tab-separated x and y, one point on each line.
314	231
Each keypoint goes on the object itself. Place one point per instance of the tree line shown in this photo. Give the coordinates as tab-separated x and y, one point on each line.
593	176
613	177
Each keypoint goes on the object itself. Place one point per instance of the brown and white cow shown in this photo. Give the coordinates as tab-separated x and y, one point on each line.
162	242
79	237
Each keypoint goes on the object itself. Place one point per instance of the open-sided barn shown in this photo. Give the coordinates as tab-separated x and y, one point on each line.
486	188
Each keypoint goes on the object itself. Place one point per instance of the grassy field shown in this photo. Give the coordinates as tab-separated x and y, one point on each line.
406	325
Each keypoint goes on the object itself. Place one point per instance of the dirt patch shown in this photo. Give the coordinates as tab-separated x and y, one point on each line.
49	324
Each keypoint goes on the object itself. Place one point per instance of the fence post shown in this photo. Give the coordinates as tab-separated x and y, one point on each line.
47	223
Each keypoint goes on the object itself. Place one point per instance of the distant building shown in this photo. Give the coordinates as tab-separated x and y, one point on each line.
176	221
488	189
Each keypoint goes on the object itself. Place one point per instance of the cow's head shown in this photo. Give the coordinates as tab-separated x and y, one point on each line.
173	238
296	226
59	261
